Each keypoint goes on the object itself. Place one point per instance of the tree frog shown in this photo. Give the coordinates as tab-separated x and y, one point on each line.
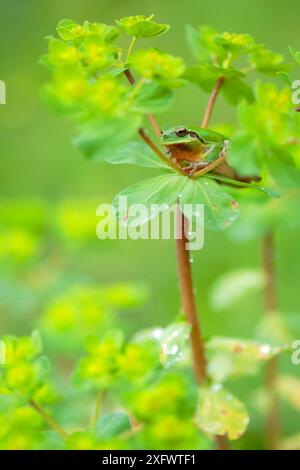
194	149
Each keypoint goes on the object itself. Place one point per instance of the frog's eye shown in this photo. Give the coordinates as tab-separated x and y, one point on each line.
182	132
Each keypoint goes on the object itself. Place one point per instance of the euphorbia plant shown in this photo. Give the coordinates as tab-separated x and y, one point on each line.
269	136
110	92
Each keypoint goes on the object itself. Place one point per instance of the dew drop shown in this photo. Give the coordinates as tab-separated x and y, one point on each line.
265	349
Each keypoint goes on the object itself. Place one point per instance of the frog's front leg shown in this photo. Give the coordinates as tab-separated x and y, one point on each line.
213	152
212	159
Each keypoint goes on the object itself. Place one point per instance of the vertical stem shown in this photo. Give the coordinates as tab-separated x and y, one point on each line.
189	307
97	409
150	116
186	284
268	262
211	102
130	49
154	124
49	420
188	298
270	300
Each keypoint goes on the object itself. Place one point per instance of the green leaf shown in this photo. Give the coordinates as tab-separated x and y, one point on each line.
106	32
286	79
245	154
269	62
68	30
100	140
142	26
203	45
232	286
282	167
295	54
116	71
220	209
203	75
153	98
206	75
243	184
135	153
232	357
112	425
220	413
237	44
173	341
236	90
162	191
174	344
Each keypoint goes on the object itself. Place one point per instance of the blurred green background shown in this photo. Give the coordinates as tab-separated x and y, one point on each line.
37	159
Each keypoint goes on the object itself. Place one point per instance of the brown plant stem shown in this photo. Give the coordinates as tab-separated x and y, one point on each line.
220	441
183	258
156	128
188	298
49	420
150	116
187	291
271	372
211	102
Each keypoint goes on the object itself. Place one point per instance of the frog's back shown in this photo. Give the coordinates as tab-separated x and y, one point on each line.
209	135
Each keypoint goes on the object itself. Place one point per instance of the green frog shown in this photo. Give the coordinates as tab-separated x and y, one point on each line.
197	150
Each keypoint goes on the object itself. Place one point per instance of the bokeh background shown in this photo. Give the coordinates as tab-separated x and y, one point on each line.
38	163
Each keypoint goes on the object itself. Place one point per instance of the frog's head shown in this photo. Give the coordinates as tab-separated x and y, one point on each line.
180	135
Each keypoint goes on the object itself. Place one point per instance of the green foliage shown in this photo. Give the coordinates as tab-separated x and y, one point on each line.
155	64
89	83
26	371
113	425
220	413
83	310
231	357
269	137
172	342
141	26
220	56
164	191
268	62
149	396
